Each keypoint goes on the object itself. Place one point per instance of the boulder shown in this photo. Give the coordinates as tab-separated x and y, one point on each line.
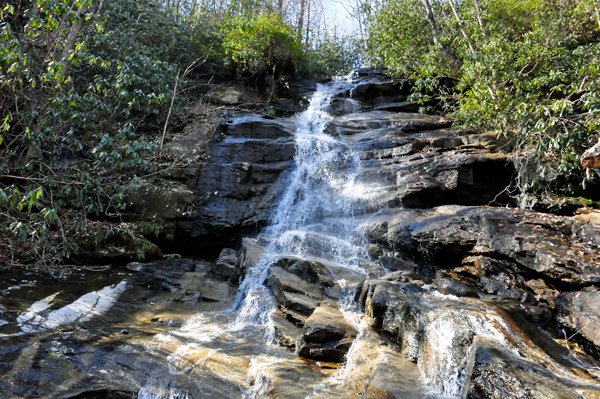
282	280
580	312
225	265
327	335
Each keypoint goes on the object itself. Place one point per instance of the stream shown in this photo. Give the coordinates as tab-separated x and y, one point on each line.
349	291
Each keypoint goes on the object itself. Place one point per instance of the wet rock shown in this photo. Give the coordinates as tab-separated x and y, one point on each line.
580	311
375	369
496	374
294	379
312	271
237	187
375	251
404	276
287	107
344	106
293	293
225	265
326	336
553	247
286	332
448	286
249	255
298	88
439	176
282	280
406	106
439	334
404	122
502	289
394	263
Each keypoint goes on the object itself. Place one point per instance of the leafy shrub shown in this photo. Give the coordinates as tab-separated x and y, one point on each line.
526	69
260	44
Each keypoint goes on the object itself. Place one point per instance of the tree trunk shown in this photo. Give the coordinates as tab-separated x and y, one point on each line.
307	25
301	17
461	27
72	38
435	32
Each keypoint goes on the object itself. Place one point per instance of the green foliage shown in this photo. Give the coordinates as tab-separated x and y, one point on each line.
333	55
85	90
527	68
259	43
75	87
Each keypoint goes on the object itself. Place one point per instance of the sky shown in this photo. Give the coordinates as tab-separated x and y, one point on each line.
337	15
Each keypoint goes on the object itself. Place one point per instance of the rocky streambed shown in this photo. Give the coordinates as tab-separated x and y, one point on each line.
390	263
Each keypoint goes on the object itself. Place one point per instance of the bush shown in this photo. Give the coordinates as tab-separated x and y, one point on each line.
526	69
261	43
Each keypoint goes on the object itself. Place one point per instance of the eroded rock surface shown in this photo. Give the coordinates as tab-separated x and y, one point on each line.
239	184
502	242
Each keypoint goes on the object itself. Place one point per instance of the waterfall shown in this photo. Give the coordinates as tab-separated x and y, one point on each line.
315	217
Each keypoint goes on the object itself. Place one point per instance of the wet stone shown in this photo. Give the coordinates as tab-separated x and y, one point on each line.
580	311
497	374
225	265
326	335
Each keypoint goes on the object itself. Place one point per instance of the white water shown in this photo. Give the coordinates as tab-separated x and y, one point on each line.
83	309
314	219
325	184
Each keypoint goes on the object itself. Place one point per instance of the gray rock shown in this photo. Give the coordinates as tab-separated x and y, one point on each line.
449	286
225	265
551	246
281	280
326	336
238	186
497	374
580	311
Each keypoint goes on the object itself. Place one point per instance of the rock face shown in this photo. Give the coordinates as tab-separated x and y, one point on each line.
580	312
454	342
485	241
442	295
237	187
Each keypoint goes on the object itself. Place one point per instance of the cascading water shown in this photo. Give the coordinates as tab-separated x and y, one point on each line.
314	219
324	185
413	339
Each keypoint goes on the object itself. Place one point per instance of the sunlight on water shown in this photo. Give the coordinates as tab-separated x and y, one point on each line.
314	219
